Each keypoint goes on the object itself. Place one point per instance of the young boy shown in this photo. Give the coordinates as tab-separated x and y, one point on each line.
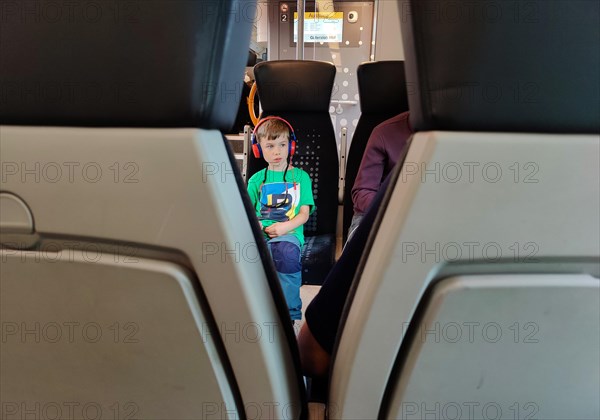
283	200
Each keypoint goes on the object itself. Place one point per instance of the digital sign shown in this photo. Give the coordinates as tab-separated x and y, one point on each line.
321	26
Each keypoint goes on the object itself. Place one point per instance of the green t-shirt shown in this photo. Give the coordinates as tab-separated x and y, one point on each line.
275	201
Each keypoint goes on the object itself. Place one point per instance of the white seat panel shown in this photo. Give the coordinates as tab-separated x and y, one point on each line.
109	336
502	346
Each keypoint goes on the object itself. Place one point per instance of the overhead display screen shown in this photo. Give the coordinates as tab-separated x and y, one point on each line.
321	26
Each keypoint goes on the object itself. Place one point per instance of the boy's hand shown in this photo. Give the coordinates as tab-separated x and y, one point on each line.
276	229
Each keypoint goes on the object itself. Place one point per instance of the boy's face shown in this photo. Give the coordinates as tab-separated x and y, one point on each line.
275	152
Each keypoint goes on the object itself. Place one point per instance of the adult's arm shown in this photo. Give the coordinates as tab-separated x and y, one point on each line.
385	146
317	337
370	172
314	359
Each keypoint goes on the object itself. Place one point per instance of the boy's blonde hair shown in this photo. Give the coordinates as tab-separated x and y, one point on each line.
272	129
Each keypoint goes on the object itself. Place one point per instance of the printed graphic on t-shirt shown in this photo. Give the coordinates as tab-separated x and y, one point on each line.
279	201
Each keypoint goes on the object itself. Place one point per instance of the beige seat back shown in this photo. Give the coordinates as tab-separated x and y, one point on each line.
489	239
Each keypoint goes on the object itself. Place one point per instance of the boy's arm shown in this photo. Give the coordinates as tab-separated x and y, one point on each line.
281	228
253	193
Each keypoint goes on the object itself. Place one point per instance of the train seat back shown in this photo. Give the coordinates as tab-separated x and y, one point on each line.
133	283
300	92
480	294
382	92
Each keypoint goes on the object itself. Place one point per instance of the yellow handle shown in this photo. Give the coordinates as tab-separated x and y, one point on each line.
250	101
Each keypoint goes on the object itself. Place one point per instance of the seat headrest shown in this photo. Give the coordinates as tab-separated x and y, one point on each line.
251	59
174	63
503	66
294	85
382	87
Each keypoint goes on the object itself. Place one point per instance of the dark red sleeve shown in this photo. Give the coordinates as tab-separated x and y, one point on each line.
370	172
325	311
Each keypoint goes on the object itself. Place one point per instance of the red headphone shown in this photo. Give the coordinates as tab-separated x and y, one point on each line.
256	149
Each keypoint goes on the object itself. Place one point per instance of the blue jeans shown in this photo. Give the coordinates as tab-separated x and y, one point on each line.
285	251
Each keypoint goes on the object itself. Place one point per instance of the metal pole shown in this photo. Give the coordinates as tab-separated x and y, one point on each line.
300	42
374	33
